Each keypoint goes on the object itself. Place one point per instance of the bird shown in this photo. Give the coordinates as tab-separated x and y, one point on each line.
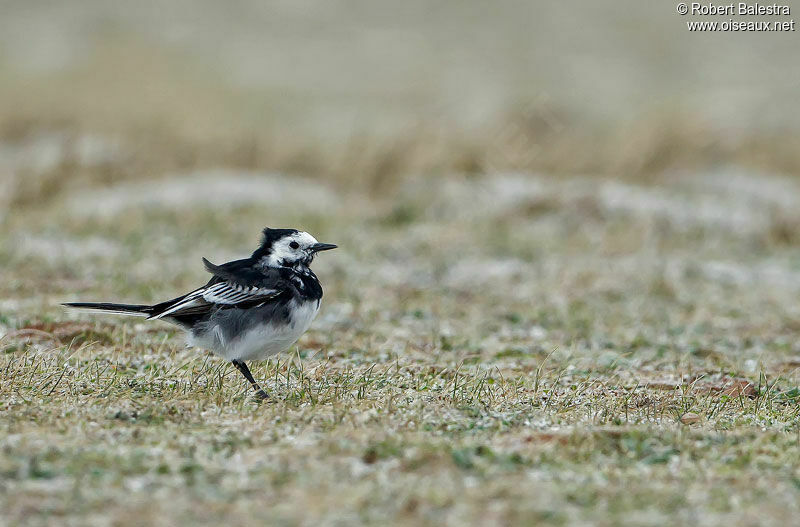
250	309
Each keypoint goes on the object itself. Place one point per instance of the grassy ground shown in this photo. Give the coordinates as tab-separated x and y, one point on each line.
564	294
564	351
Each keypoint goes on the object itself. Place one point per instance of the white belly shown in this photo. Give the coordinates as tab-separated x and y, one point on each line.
263	340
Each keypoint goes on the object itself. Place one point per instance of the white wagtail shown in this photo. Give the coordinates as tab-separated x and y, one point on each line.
251	308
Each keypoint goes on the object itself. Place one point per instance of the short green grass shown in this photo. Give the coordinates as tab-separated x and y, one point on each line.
576	361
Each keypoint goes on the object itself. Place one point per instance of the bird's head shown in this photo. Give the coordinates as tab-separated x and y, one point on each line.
288	248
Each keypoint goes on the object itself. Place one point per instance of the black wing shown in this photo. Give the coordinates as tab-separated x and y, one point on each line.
234	284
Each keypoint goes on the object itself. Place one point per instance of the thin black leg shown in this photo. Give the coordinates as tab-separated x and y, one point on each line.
242	367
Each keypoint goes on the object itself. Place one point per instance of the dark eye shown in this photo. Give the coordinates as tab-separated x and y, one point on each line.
294	245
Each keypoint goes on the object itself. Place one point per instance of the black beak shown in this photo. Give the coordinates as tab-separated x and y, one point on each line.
317	247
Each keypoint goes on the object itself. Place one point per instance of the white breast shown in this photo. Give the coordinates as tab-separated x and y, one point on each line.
265	340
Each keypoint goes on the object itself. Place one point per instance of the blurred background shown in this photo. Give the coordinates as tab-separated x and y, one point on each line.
537	151
549	216
369	93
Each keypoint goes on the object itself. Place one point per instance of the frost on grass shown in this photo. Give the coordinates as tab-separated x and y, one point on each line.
204	189
500	349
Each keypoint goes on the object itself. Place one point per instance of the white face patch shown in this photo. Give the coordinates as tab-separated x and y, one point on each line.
290	249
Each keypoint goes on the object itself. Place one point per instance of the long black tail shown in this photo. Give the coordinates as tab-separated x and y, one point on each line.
122	309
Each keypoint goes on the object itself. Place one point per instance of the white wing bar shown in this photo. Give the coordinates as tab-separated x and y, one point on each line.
222	293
